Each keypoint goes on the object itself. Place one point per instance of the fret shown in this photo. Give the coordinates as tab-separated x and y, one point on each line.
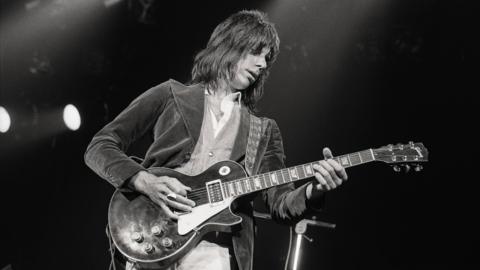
245	185
355	159
308	169
235	189
225	190
256	181
248	188
249	184
264	181
223	187
366	155
239	187
230	189
349	160
279	175
301	171
252	183
286	176
372	155
242	184
266	177
268	181
344	161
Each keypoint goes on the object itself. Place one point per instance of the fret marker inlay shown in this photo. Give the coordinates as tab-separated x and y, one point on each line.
239	187
293	173
256	180
274	178
308	169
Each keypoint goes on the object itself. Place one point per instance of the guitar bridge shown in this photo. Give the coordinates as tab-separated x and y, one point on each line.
215	192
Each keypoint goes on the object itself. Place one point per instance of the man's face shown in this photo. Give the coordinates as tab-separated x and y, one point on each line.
248	69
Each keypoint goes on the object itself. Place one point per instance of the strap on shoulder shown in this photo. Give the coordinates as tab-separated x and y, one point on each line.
257	128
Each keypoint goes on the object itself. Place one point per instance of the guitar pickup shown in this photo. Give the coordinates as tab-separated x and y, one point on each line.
215	191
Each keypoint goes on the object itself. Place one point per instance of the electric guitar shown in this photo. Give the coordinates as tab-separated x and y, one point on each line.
144	234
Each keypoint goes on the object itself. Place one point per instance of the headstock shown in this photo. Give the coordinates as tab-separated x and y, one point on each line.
403	156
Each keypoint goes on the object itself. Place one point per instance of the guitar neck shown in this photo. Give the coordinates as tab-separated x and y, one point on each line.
288	175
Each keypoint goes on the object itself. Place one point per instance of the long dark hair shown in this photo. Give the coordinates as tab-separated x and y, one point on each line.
244	32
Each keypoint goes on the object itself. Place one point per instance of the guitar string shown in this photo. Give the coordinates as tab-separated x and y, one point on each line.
283	172
200	196
201	192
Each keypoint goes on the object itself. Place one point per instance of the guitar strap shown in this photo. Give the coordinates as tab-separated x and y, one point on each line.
257	128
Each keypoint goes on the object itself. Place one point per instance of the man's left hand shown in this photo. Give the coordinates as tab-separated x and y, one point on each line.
329	174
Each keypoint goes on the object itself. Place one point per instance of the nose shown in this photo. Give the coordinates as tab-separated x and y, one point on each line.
261	63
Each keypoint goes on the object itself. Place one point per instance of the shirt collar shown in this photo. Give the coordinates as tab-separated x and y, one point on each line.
233	97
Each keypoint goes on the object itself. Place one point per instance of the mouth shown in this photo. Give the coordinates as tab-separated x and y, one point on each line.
253	75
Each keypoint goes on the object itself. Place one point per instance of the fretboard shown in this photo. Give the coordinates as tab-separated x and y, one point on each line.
288	175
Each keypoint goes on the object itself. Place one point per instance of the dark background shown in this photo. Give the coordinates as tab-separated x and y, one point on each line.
351	75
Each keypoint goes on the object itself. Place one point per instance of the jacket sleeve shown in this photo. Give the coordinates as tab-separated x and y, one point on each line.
105	154
286	204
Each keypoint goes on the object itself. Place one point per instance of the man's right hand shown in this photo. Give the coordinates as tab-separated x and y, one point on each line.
158	187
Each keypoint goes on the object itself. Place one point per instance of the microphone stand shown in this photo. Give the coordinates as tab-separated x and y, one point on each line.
300	229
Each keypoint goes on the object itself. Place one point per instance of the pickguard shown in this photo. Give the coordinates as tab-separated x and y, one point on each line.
200	214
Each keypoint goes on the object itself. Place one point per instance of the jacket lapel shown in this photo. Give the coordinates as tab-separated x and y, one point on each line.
240	144
190	101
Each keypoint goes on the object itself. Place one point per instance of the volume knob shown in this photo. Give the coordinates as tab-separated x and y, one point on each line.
137	237
166	242
156	230
149	248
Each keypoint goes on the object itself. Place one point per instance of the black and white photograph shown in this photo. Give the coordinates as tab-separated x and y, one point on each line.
239	135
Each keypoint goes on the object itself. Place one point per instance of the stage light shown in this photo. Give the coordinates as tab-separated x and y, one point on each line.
71	117
110	3
4	120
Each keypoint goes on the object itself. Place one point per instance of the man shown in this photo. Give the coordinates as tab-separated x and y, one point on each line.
194	126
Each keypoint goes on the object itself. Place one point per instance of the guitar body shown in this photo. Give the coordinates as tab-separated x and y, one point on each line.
144	234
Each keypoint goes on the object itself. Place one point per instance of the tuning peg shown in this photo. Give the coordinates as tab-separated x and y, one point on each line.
407	168
397	168
418	167
149	248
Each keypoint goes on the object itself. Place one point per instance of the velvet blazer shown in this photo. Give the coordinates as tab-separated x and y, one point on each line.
172	114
